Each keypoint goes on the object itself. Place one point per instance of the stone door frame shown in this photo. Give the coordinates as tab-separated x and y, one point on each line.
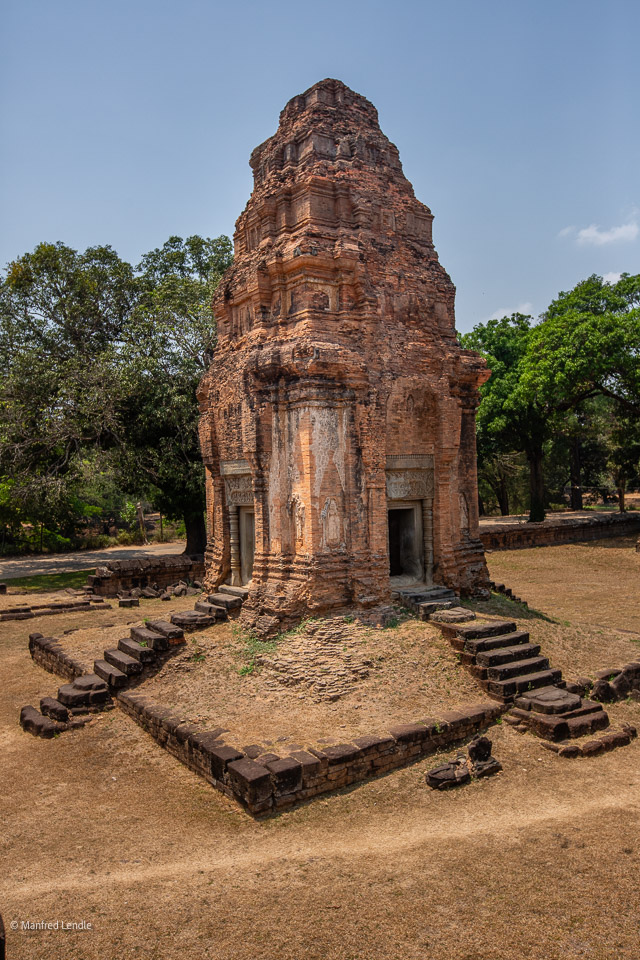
410	479
238	485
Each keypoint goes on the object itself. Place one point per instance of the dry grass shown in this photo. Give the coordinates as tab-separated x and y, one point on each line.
412	674
539	863
595	583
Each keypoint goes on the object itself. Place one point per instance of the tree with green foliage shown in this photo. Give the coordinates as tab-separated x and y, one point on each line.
59	313
510	418
99	357
588	344
166	346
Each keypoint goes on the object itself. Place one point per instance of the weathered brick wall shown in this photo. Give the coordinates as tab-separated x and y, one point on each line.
116	575
550	532
284	781
337	363
48	653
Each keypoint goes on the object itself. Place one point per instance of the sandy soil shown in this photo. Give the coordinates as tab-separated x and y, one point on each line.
102	826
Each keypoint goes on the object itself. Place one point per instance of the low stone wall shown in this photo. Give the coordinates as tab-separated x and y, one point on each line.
24	612
504	536
118	575
48	653
271	784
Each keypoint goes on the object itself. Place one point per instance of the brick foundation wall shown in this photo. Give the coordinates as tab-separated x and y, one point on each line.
48	653
116	575
289	780
554	531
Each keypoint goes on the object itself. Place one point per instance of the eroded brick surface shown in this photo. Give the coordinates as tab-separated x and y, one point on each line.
338	385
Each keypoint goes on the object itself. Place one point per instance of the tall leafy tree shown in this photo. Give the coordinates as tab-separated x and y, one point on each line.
167	345
510	418
60	311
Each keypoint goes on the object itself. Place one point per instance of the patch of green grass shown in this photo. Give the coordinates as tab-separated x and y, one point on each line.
502	606
252	647
47	582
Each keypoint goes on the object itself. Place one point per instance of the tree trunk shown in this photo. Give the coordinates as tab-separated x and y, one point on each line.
503	497
480	506
140	515
576	479
196	533
621	492
536	485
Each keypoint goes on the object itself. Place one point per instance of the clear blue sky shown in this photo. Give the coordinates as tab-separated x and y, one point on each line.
517	123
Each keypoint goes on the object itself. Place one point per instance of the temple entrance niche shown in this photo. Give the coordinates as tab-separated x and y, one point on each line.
247	536
406	546
410	491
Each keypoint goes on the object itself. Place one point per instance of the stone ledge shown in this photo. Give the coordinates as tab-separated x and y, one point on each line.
115	576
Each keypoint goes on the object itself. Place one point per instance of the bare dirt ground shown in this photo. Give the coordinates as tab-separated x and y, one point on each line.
596	583
102	826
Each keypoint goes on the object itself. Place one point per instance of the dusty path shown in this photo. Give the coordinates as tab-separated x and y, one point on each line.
83	560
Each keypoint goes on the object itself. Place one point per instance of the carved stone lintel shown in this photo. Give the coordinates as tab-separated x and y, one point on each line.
409	484
239	490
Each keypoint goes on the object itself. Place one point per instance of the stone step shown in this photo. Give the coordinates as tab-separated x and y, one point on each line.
49	707
123	662
555	727
115	678
32	721
136	650
155	641
168	630
518	668
500	655
550	699
242	592
479	631
70	696
212	609
225	600
89	681
426	608
191	620
484	644
507	689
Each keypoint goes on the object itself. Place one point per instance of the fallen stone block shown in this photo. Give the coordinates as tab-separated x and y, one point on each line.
33	722
449	775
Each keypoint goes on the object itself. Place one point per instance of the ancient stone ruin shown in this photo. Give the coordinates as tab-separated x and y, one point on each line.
338	418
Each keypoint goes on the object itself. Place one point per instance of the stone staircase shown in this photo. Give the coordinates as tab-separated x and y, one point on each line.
501	658
134	658
511	670
425	600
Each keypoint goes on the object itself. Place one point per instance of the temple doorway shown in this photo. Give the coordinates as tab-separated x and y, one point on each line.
406	548
247	536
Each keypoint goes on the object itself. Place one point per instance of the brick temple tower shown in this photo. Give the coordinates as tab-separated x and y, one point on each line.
338	416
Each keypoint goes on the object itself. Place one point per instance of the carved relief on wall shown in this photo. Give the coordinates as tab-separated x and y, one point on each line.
330	517
409	484
239	491
297	510
464	514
